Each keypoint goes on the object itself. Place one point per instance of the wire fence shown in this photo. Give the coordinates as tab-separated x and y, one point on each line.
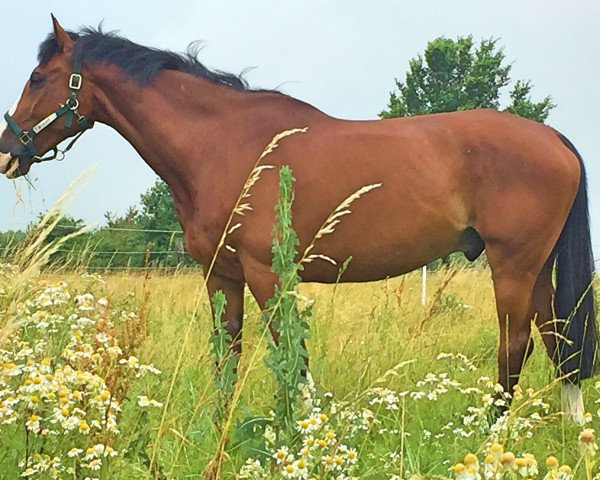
154	253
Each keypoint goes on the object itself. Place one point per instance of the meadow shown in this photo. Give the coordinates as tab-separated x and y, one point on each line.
406	389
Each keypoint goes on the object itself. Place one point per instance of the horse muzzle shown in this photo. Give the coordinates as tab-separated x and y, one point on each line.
13	166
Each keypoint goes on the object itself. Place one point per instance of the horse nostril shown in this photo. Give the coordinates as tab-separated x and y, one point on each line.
5	161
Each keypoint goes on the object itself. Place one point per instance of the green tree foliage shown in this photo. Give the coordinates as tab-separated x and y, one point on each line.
158	213
459	75
158	210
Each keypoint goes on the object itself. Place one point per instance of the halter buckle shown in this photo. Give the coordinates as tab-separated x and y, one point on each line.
75	81
25	138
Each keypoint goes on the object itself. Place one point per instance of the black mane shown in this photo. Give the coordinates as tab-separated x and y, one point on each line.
140	62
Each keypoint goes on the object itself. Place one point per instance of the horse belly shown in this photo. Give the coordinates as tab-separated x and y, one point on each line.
376	253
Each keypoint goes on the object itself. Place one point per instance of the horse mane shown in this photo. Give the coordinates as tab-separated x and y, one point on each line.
139	62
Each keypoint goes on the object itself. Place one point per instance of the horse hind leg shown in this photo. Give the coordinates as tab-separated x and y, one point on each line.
549	328
520	297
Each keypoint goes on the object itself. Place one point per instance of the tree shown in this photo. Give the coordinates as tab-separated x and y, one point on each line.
158	209
457	75
158	216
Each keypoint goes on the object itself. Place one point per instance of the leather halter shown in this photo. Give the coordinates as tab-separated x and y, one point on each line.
67	109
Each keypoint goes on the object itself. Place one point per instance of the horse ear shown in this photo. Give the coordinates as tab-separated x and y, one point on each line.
65	43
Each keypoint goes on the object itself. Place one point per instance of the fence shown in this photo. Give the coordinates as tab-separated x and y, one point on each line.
178	252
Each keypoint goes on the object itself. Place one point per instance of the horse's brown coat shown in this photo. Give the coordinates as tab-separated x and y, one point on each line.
511	180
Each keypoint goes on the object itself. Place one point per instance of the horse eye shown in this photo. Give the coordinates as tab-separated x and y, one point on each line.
36	80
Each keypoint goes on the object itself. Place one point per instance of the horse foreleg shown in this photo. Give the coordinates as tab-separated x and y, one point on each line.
262	282
234	310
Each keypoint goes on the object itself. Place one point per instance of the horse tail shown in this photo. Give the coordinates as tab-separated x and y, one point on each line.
574	297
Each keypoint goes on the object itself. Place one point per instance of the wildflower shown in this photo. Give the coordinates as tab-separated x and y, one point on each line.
315	421
301	468
95	464
461	472
587	442
84	427
144	401
309	441
565	472
305	452
289	471
471	461
90	453
496	451
98	449
507	460
102	337
532	468
132	362
492	469
74	452
328	462
304	426
71	422
352	455
281	455
526	466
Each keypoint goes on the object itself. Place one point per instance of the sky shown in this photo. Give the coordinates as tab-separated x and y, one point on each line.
341	56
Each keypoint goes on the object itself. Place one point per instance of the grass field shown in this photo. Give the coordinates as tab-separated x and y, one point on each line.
406	389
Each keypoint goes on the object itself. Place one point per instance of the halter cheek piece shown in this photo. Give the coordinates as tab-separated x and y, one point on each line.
67	109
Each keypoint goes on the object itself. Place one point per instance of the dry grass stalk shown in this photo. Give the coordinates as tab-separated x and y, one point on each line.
328	227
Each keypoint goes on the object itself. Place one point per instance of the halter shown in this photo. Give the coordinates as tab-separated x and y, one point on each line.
67	109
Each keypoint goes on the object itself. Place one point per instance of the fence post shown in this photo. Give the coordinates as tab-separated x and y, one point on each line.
424	286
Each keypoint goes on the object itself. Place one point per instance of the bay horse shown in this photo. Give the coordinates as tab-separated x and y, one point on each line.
451	182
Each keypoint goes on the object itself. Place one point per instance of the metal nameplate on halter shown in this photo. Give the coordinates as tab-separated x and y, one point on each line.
44	123
75	81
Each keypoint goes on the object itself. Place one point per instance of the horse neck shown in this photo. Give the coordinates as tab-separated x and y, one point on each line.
180	123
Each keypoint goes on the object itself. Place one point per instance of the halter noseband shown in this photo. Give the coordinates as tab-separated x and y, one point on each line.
67	109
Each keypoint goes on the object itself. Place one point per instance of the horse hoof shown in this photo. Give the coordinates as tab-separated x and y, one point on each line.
572	402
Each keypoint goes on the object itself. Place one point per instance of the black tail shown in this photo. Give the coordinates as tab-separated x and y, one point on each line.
574	298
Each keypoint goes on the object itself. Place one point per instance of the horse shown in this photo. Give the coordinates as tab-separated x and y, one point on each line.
450	182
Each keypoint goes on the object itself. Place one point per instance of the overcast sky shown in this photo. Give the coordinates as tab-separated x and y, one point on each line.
341	56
